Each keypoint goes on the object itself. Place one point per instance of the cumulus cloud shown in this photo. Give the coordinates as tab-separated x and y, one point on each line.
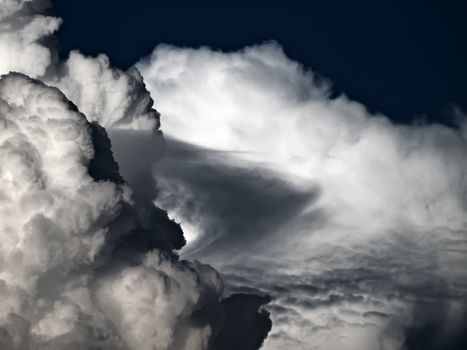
349	221
86	257
63	281
114	98
22	34
353	225
106	94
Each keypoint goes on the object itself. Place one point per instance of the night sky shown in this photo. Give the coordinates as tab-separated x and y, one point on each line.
404	59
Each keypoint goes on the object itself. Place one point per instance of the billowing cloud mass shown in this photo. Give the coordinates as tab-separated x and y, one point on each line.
103	93
23	32
351	228
114	98
66	277
354	225
87	259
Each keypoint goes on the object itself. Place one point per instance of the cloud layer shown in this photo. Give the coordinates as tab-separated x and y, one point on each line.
352	223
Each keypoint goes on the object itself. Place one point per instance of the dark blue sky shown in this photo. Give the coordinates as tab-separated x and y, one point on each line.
402	58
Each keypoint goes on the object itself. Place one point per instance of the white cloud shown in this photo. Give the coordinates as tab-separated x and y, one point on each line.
344	217
151	304
72	274
59	286
54	217
21	34
348	221
105	94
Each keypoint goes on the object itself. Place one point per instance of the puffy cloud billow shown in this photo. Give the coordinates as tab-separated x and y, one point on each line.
23	33
67	277
354	225
103	93
87	259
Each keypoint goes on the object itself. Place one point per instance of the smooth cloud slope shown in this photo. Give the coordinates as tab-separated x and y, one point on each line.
356	226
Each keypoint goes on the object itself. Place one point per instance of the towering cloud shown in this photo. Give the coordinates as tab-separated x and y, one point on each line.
355	225
87	259
67	277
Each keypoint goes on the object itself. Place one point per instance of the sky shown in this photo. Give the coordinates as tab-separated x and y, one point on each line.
235	177
404	59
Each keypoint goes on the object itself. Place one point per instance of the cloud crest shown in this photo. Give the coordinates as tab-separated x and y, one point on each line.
23	29
104	93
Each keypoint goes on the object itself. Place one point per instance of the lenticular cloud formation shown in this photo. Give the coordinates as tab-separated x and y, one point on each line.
356	226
